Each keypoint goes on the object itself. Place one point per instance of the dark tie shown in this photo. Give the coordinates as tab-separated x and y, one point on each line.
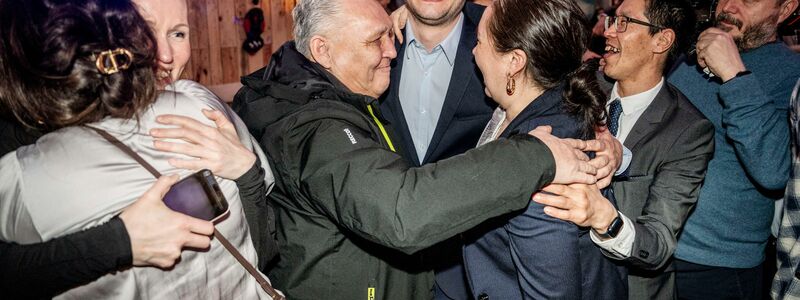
614	111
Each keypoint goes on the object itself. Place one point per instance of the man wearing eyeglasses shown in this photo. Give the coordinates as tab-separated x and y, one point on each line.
671	143
721	250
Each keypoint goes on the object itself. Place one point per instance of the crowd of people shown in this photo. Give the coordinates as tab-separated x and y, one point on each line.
450	151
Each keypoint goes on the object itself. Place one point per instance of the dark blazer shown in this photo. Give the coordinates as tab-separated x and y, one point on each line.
672	143
465	112
530	255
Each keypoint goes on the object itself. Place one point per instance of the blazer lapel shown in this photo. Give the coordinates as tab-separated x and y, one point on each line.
662	106
393	110
463	70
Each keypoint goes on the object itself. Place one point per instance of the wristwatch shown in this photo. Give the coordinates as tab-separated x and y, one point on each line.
613	228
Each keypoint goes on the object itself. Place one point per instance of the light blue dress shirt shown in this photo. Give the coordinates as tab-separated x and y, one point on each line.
424	81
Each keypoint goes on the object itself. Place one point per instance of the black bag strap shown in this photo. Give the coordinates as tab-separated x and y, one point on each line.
222	240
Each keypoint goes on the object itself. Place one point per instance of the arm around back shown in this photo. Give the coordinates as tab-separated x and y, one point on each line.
370	190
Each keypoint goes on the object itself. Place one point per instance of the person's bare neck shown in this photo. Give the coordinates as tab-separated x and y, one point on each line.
519	101
431	36
646	79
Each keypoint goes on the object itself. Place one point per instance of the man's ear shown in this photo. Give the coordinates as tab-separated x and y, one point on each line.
663	41
517	60
320	51
787	8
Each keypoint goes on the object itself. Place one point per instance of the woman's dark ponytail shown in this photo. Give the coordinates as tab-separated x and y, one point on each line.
584	98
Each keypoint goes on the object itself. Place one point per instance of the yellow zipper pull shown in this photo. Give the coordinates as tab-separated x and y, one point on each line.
371	293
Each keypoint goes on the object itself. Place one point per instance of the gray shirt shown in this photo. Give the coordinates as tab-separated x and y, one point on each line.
424	81
73	179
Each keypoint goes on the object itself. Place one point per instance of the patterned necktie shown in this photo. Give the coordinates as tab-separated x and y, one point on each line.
614	111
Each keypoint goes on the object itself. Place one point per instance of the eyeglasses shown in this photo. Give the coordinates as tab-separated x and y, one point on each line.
621	23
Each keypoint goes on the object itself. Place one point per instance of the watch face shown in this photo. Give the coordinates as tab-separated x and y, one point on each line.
615	227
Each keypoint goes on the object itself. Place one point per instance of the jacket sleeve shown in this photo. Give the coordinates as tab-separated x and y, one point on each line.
672	195
546	254
47	269
370	190
757	126
260	217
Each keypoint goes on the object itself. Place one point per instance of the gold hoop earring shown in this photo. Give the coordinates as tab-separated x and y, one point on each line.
511	86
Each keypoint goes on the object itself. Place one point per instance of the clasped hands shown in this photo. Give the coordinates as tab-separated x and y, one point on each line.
575	194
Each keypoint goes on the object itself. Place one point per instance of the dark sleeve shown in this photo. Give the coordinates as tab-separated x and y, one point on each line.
260	217
47	269
364	187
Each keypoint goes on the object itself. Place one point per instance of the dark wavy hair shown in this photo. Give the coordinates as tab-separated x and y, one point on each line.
554	35
48	74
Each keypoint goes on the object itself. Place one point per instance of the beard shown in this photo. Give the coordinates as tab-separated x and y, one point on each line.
754	35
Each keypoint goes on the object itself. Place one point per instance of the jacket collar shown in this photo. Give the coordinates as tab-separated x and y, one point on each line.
548	101
292	77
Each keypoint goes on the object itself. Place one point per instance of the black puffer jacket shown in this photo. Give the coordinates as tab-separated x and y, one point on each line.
349	209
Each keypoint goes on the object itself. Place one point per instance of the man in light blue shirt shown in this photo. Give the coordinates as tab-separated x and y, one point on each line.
424	80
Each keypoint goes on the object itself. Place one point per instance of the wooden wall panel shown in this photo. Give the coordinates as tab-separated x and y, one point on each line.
217	34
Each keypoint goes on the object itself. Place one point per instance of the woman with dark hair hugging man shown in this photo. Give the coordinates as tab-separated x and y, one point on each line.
530	55
70	67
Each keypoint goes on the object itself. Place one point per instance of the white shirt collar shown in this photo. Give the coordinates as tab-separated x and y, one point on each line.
638	102
449	45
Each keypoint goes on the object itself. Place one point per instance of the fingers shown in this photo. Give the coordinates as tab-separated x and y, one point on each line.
558	213
575	144
161	187
579	155
190	164
198	226
183	133
599	162
182	121
180	148
220	120
541	129
594	145
197	241
556	189
399	18
604	182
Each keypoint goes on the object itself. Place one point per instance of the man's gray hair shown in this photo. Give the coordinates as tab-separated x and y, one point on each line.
313	17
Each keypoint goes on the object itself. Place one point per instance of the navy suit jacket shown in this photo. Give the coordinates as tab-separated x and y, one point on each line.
530	255
465	112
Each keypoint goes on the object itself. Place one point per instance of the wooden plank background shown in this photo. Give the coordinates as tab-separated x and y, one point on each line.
217	34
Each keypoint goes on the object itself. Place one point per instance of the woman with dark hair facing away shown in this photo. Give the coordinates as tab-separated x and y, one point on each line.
530	57
64	64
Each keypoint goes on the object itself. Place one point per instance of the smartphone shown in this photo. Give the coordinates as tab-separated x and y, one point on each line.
198	196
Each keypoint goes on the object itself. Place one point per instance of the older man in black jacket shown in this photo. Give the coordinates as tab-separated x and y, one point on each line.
348	206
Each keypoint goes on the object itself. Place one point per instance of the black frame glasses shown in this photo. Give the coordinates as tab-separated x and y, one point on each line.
621	23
